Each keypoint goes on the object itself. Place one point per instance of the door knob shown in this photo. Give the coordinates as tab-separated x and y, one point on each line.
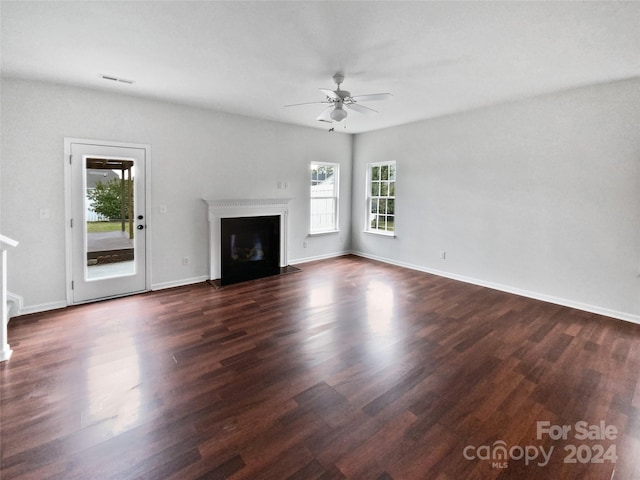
140	227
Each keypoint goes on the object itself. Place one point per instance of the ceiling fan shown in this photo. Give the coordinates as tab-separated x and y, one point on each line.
338	99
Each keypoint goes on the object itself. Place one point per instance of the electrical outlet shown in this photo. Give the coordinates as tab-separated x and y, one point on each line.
304	244
186	260
443	255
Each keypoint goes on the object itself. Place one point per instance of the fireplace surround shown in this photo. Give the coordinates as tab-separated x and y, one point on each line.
244	208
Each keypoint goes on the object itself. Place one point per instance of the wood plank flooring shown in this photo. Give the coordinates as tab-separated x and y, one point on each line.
348	369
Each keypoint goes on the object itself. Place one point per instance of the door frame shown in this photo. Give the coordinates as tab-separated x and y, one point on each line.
68	213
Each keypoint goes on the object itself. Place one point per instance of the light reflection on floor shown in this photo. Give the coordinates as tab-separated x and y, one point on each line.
320	296
114	387
380	301
382	345
374	325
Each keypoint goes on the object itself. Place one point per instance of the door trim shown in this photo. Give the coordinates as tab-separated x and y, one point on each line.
68	141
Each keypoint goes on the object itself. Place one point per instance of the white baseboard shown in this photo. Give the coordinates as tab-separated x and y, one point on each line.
16	305
179	283
318	257
5	353
43	307
629	317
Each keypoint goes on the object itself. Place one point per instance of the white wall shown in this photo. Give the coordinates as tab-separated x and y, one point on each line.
539	197
194	154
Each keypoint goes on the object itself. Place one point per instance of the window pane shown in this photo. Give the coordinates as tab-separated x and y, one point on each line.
324	197
323	213
109	218
381	204
325	185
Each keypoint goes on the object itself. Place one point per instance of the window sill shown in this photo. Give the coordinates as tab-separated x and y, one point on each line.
324	232
381	234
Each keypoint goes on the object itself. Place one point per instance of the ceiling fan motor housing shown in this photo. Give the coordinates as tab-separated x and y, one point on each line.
343	94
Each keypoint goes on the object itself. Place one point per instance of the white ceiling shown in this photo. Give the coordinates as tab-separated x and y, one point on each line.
253	58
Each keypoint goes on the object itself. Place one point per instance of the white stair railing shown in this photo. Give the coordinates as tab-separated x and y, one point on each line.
5	350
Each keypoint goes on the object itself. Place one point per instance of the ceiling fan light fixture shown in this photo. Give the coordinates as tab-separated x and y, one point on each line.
338	114
336	100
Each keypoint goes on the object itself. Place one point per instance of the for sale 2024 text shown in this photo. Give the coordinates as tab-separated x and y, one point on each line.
581	431
584	450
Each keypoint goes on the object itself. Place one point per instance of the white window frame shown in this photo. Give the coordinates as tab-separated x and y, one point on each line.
335	197
370	198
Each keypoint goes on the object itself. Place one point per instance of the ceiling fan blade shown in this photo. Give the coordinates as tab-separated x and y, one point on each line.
330	93
307	103
325	116
361	108
372	97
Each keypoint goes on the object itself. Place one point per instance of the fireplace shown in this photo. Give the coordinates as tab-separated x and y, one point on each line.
250	248
269	217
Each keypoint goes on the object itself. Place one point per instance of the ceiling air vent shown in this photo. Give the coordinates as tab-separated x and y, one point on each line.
117	79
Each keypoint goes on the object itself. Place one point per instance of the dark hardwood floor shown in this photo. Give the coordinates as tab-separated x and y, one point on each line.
348	369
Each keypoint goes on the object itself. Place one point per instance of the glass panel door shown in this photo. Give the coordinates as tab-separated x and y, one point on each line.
108	224
109	219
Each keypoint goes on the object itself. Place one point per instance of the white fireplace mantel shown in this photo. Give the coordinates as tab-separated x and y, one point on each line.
234	208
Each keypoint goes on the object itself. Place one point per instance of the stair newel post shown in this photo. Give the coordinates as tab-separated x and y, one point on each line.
5	350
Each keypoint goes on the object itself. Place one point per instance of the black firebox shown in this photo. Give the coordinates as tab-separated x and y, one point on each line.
250	248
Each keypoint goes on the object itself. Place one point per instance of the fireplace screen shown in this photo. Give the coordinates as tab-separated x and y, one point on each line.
250	248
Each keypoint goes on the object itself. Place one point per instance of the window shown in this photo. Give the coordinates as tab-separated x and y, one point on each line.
324	197
381	198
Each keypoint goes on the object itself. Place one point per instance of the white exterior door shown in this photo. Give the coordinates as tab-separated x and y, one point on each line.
108	220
